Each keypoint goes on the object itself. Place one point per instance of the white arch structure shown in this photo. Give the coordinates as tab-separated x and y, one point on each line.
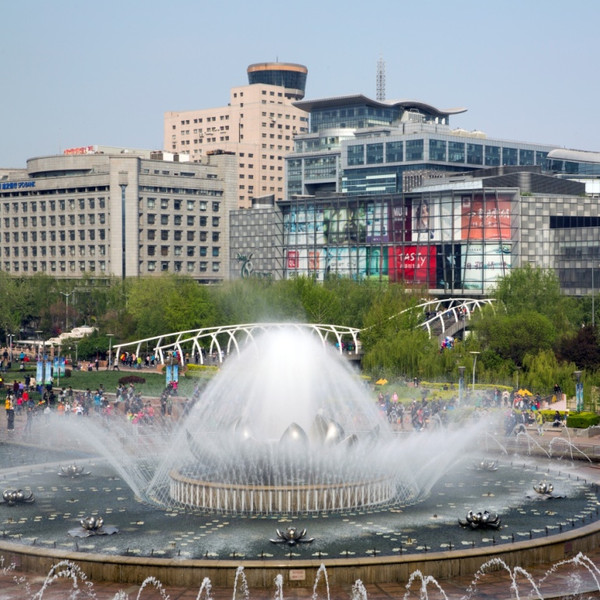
230	338
451	316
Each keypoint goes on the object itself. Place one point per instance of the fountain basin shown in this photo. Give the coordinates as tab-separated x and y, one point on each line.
278	499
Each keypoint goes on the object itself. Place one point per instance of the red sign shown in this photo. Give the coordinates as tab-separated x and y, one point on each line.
292	259
485	219
413	264
313	260
80	150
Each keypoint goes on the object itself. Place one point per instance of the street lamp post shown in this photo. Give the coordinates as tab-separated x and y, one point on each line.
474	353
66	295
109	336
461	384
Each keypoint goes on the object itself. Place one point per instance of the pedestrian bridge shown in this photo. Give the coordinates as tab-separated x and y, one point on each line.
441	318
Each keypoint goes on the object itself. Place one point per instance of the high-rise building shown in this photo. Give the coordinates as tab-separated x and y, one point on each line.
258	125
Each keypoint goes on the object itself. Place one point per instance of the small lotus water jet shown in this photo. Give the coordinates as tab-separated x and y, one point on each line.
12	497
92	525
292	536
480	520
73	472
487	465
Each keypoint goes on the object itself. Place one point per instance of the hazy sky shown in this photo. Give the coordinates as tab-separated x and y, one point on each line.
80	73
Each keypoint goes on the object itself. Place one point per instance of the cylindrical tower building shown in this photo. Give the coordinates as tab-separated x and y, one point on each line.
288	75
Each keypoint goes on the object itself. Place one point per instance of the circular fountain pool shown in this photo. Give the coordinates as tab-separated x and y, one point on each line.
286	436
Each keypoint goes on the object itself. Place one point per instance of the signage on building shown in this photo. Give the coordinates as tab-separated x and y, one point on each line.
16	185
80	150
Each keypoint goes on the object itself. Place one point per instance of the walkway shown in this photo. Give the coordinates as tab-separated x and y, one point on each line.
496	585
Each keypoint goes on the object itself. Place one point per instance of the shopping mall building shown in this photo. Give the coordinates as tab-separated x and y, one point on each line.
389	191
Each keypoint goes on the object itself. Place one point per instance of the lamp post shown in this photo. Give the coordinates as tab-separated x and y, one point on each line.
66	295
578	392
109	336
474	353
461	384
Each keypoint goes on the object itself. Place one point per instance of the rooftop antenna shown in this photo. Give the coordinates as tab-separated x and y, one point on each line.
380	80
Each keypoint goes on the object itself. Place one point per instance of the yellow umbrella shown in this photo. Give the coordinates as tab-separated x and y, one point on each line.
524	393
381	382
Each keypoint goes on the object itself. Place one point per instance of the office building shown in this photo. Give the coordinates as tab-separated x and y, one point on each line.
116	212
258	125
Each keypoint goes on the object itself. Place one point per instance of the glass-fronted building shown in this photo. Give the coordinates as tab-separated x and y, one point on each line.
454	236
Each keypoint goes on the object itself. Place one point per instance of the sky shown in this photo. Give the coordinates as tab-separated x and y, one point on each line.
78	73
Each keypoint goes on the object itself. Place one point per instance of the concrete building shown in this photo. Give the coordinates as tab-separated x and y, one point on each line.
115	212
258	125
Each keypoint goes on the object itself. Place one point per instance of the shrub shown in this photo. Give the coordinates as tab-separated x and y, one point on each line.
583	420
134	379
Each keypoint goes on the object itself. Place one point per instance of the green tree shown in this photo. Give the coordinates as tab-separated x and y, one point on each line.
511	336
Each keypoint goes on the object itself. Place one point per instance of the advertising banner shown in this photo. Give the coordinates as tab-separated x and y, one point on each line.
413	264
483	265
486	218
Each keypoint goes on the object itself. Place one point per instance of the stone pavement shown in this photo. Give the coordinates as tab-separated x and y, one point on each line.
578	578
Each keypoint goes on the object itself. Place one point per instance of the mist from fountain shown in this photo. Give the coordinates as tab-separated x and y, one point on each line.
290	413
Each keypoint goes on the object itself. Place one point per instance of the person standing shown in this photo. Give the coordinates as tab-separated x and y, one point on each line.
10	412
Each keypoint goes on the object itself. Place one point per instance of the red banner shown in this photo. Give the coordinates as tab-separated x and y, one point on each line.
412	263
485	219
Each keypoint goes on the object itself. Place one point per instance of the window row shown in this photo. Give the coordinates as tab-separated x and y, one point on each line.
72	250
165	204
177	266
165	234
190	221
61	235
53	220
179	250
52	205
53	266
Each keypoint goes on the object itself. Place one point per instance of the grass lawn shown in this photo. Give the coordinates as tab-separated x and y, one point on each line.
155	382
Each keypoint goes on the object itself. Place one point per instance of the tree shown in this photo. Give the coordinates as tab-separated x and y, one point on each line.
581	349
511	336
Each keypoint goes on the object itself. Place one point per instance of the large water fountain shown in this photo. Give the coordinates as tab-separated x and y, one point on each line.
287	441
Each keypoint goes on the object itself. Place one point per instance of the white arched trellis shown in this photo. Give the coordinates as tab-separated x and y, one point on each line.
228	339
448	317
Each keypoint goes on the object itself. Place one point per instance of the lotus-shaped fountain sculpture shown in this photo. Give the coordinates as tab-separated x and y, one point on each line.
544	489
480	520
72	471
292	536
12	497
92	526
487	465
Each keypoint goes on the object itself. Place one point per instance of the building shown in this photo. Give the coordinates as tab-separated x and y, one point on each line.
106	212
452	236
258	125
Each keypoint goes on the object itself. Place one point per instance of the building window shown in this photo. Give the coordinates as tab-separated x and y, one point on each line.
216	266
356	155
151	265
164	265
475	154
191	235
456	152
414	150
215	251
191	250
151	203
164	219
509	156
203	251
374	153
151	250
215	221
190	265
437	150
394	152
164	235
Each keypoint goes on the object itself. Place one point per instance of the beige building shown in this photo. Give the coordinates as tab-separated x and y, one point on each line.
116	212
258	125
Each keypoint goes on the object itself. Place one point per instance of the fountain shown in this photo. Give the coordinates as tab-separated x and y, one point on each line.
287	438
